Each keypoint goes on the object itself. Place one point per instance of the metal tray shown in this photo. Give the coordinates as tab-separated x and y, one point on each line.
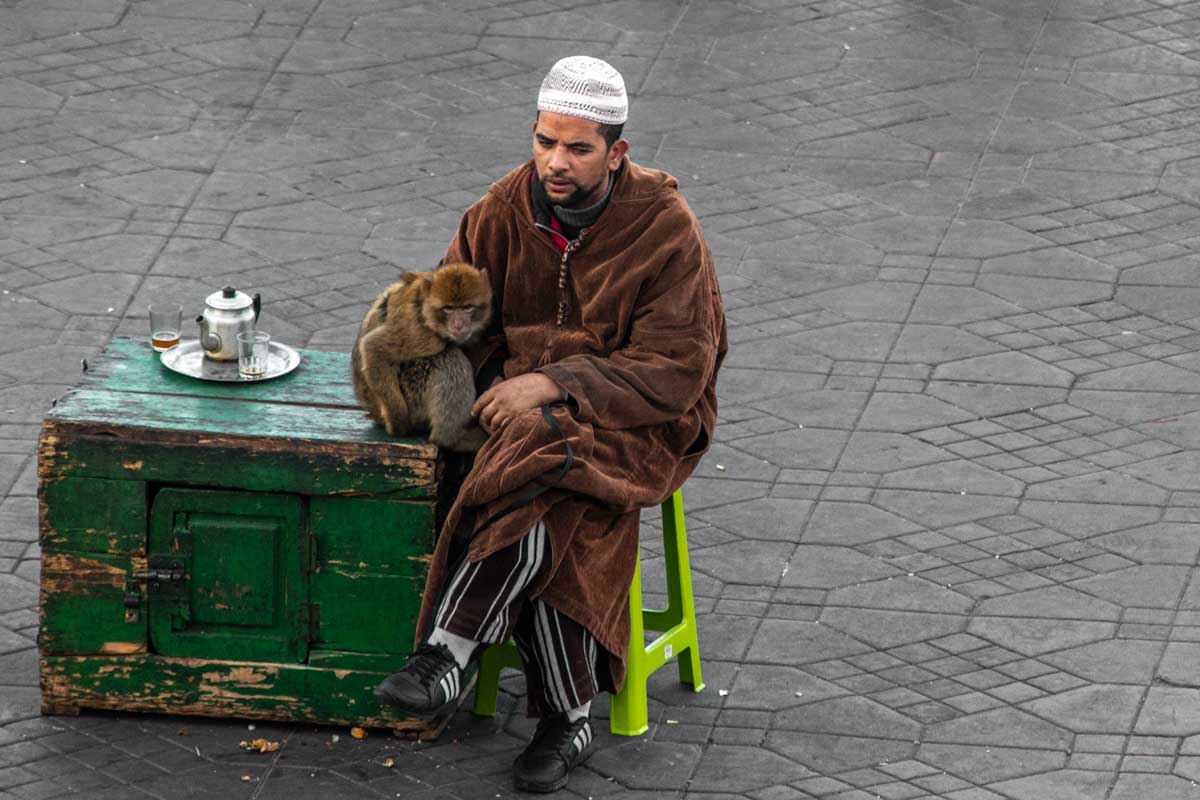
187	358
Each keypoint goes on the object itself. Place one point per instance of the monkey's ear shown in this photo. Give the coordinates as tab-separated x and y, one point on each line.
409	277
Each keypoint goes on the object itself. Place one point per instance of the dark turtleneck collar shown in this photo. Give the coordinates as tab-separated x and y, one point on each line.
572	220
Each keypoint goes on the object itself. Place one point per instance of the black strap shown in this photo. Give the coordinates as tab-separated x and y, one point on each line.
538	487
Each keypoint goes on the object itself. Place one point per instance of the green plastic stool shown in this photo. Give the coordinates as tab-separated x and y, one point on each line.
676	623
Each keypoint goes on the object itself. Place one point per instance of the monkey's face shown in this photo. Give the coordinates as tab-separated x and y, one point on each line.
459	324
456	301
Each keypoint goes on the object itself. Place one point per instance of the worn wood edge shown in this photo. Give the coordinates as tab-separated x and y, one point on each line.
242	416
397	452
420	466
53	541
48	440
78	575
57	694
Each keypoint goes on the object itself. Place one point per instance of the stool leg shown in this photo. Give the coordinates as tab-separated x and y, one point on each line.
628	712
487	686
679	590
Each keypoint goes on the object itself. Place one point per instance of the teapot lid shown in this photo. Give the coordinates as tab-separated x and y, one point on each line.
229	299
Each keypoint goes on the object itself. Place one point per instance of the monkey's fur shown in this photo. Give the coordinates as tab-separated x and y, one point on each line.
407	366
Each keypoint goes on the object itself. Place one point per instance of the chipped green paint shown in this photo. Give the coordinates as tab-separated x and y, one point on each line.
253	550
234	417
129	365
357	534
316	401
94	515
69	449
221	688
83	604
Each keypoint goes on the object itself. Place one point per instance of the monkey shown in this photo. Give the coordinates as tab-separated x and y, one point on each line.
407	366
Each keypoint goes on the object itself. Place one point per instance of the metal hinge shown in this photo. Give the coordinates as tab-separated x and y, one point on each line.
314	555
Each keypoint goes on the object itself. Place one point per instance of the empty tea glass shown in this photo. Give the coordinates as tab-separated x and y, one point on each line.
165	324
253	350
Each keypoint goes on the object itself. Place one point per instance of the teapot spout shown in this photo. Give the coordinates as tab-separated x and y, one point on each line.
208	340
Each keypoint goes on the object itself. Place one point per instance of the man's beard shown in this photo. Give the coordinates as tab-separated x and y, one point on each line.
580	198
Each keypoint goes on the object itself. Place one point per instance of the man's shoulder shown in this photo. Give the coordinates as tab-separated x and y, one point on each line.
641	184
653	195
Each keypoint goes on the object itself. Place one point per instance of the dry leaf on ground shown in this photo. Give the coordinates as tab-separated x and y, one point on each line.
259	745
358	733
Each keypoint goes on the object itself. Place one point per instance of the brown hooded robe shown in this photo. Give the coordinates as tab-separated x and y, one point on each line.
638	349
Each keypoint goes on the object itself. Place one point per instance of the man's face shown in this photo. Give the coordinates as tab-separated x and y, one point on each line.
572	159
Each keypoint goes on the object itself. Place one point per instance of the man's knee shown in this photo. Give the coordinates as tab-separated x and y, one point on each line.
527	426
527	421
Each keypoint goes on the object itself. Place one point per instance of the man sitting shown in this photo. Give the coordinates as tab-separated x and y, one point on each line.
608	336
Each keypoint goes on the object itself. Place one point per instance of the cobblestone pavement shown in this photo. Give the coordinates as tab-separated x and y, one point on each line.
946	544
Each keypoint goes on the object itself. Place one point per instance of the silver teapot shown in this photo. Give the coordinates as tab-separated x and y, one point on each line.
227	313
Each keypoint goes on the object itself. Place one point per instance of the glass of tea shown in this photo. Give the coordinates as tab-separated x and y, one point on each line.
253	350
165	324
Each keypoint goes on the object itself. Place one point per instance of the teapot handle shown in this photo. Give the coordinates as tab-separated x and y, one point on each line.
257	305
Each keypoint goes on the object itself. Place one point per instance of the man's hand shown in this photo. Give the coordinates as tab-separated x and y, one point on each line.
504	400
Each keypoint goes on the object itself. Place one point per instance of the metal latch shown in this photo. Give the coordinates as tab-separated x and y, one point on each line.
160	570
174	572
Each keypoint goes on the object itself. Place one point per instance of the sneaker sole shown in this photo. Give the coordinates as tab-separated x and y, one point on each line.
543	788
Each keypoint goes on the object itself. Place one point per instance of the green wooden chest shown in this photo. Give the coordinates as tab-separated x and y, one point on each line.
228	549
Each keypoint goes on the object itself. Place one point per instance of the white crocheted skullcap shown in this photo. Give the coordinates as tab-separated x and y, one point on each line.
582	86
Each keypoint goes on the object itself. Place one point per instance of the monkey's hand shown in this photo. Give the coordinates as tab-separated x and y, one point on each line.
504	400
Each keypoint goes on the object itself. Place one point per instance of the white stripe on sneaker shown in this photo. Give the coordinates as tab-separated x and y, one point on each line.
583	738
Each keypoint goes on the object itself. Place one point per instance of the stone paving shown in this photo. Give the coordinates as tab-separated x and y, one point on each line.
946	543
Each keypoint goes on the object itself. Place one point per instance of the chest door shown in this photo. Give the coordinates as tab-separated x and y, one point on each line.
227	577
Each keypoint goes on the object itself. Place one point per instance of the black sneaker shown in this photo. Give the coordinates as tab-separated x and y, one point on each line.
428	681
556	747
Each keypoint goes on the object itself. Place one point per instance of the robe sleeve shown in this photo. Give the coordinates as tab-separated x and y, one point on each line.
668	359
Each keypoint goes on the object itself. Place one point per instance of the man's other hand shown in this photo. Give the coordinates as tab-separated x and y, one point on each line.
506	399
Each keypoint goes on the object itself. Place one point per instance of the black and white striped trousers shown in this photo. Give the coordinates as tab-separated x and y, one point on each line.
486	602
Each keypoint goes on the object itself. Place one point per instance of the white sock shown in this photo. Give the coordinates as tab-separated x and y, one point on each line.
460	646
578	713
